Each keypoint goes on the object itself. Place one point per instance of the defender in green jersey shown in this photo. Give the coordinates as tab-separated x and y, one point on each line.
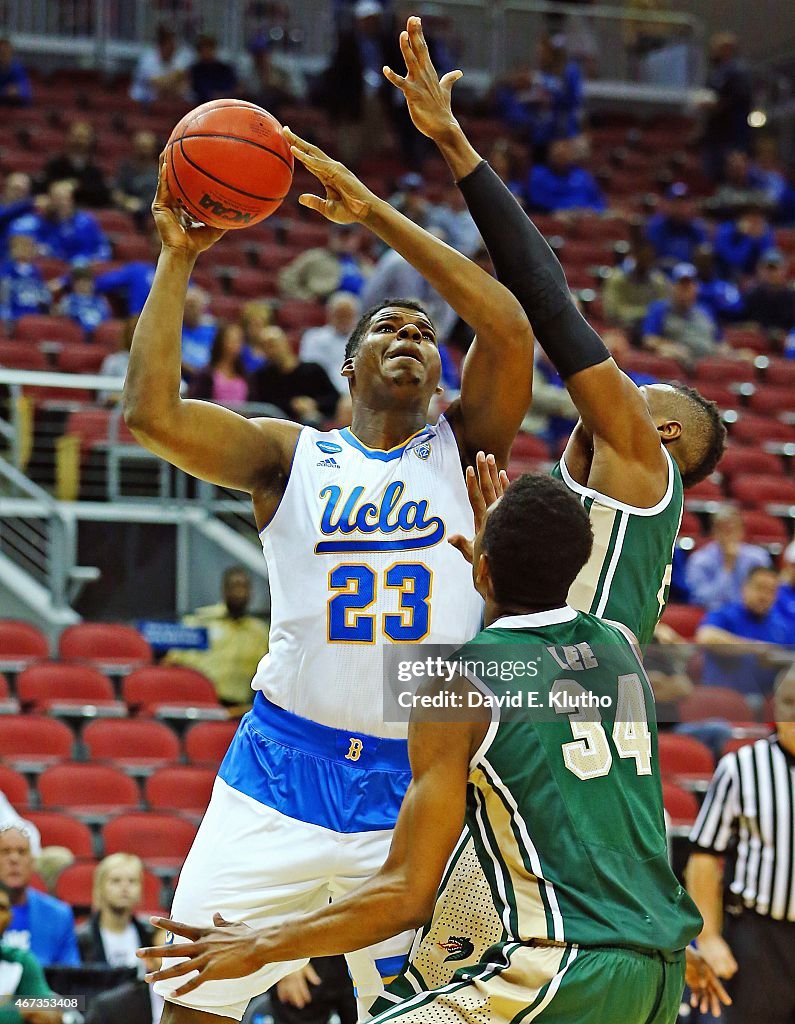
565	809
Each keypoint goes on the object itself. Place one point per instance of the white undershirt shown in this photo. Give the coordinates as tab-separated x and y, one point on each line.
120	947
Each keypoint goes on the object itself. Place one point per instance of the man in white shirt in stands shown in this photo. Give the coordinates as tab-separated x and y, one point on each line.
326	345
162	69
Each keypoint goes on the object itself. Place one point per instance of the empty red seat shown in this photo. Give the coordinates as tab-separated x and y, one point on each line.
14	787
660	367
108	336
75	885
684	618
148	689
746	337
33	741
735	743
21	643
714	702
761	528
226	307
131	743
53	683
308	235
248	283
690	526
771	400
527	446
115	222
47	328
57	829
206	743
22	355
721	368
738	460
90	790
684	758
780	372
132	248
756	491
300	314
162	841
760	430
182	788
81	358
109	644
720	393
705	490
681	805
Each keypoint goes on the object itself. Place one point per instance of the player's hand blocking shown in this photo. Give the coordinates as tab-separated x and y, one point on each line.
427	96
176	231
485	483
348	200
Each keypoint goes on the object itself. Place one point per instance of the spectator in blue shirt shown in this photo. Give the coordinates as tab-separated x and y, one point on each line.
198	332
770	302
15	88
785	602
39	923
715	573
721	297
676	232
64	231
133	281
738	635
16	202
22	288
679	327
82	304
739	244
562	185
209	77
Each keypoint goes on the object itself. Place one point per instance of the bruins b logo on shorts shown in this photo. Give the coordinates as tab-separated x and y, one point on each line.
354	750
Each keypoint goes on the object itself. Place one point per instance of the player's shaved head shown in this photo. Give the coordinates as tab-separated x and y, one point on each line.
702	440
536	538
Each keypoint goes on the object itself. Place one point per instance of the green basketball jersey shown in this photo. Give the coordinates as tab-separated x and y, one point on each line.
565	806
628	575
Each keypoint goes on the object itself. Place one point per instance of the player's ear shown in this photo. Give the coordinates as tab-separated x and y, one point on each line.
347	368
669	430
481	575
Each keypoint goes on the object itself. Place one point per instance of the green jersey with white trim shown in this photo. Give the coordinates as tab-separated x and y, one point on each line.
565	808
628	576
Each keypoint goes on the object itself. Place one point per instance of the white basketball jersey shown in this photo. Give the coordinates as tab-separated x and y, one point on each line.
358	557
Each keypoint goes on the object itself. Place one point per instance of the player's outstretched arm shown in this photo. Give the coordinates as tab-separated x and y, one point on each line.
497	379
399	896
206	440
608	402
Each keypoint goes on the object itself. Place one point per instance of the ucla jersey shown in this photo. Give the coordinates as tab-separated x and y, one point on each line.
358	557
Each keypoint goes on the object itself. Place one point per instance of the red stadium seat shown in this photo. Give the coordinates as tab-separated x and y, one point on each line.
300	314
80	358
22	355
14	787
719	393
527	446
705	490
47	328
21	643
250	283
681	805
756	491
92	791
115	222
148	689
655	366
132	248
780	372
161	841
684	759
183	788
226	307
33	742
134	745
721	368
714	702
108	336
734	744
93	427
106	644
738	460
54	686
690	527
58	829
771	400
684	618
307	235
761	528
206	743
760	430
746	337
75	885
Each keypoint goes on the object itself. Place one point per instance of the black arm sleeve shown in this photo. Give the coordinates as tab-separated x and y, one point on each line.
526	265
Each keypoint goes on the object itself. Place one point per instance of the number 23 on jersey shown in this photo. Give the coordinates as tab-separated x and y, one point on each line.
355	590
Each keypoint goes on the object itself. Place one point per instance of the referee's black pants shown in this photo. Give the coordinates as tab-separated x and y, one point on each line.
763	989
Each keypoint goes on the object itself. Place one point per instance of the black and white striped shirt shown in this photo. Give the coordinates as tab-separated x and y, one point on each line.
749	811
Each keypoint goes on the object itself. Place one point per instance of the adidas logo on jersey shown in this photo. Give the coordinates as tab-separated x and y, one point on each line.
329	463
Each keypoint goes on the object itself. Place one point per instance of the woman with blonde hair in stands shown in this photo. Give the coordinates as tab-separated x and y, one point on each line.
112	934
254	318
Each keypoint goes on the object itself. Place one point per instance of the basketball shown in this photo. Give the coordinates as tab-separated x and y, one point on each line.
228	164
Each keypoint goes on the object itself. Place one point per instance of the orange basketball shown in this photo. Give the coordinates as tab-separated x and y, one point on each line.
228	164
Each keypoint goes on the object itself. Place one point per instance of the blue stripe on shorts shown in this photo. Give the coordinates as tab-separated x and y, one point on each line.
344	781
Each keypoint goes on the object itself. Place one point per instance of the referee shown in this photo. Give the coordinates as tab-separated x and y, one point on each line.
748	817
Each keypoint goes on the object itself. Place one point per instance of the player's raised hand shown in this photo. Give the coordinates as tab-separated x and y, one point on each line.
173	225
706	991
485	483
428	97
347	201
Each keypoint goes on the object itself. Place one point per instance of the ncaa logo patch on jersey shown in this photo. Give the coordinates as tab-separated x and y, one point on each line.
423	451
329	447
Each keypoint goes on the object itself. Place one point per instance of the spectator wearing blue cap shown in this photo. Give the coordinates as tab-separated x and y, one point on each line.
739	244
676	232
771	301
679	326
562	184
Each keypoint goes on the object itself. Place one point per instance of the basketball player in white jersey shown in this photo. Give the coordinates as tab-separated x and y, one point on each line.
354	526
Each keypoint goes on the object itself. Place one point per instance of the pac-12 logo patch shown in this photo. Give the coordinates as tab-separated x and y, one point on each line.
329	447
423	451
457	947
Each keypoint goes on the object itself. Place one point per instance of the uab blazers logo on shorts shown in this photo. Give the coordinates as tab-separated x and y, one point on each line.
457	947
